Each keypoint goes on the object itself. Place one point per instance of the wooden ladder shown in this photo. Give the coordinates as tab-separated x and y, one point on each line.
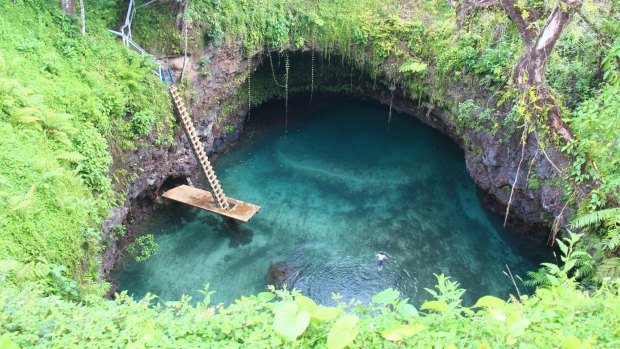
190	130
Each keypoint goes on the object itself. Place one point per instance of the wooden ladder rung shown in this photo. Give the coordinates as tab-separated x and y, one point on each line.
188	124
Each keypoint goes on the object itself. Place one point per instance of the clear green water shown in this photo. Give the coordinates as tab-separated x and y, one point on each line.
335	190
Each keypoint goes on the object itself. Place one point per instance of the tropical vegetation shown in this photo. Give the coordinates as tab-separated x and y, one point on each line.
73	106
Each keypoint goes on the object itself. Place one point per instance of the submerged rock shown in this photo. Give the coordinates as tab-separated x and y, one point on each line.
282	272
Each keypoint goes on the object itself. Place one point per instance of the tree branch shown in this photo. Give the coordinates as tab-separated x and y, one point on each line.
557	20
523	27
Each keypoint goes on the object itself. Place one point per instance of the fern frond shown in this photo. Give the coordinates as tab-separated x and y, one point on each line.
537	278
412	67
9	265
612	239
28	116
584	268
597	217
72	157
609	268
24	200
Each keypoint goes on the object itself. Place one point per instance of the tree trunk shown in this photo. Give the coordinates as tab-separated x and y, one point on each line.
68	6
82	17
180	11
529	72
184	51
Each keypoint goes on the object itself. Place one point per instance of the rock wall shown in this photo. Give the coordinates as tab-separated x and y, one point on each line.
156	166
492	161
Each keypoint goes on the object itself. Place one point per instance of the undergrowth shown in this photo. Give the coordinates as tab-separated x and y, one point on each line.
559	315
64	99
67	100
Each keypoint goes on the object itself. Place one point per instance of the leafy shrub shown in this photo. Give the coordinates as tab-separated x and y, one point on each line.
556	316
203	65
61	95
94	169
143	248
119	230
142	122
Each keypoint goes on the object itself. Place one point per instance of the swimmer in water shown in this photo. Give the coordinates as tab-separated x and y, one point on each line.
381	257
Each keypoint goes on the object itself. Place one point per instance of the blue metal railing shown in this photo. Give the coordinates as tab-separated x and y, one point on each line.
125	35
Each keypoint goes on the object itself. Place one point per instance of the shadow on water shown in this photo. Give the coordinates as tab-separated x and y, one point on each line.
238	234
334	190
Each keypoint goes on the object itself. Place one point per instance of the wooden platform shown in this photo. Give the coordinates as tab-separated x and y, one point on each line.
239	210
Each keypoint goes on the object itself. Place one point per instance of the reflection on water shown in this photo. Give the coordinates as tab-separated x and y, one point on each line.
334	190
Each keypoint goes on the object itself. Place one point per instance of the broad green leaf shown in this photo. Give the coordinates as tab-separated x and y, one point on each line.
438	306
572	342
343	332
324	313
265	296
386	296
489	302
6	343
517	325
562	246
398	333
468	311
408	310
289	321
497	314
306	303
569	265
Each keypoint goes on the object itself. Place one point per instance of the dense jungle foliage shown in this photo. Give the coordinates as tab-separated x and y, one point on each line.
72	105
62	98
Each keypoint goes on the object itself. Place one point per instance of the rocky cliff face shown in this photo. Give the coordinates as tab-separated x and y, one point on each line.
175	164
492	161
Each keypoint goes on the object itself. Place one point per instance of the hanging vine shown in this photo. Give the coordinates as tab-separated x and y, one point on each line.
311	74
392	89
287	66
249	89
351	72
273	71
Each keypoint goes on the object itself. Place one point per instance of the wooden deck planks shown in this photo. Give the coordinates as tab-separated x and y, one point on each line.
186	194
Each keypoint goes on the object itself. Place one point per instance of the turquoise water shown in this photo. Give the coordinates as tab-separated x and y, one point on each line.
334	190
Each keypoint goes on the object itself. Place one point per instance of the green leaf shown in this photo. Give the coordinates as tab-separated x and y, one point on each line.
572	342
6	343
265	297
438	306
562	247
324	313
569	265
398	333
386	296
343	332
489	302
517	325
289	321
306	303
407	310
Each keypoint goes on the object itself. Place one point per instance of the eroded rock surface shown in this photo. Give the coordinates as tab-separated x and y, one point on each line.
492	160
